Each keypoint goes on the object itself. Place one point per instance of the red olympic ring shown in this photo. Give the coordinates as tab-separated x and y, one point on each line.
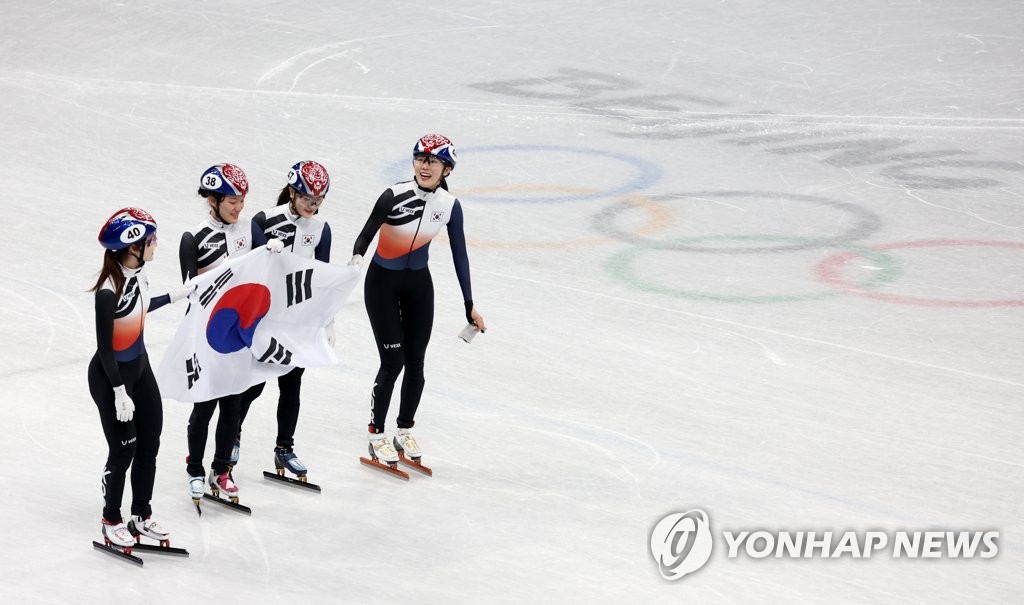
829	271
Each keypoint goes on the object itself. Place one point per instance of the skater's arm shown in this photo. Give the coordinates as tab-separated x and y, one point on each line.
323	249
377	215
105	305
259	238
159	301
457	239
188	257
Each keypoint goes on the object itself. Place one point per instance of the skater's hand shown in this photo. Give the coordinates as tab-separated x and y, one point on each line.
123	404
474	317
181	292
275	245
356	261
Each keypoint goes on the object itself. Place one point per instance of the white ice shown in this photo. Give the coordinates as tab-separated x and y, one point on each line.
763	259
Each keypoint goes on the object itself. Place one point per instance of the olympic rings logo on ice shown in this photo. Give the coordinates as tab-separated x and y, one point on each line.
644	221
681	543
599	163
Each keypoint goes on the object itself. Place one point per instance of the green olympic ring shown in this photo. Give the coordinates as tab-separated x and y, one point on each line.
620	266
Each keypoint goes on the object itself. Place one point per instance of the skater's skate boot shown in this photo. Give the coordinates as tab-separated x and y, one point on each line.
406	445
285	458
196	487
381	450
117	534
222	482
151	529
236	453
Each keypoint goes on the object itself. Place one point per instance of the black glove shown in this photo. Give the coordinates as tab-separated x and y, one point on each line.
469	312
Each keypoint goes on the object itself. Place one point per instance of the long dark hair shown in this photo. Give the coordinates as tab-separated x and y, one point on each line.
112	270
284	197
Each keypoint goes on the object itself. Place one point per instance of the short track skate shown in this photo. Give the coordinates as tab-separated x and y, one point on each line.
230	502
415	463
299	481
388	467
122	553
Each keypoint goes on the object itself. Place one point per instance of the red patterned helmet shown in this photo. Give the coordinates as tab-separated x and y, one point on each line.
226	179
436	145
309	178
125	227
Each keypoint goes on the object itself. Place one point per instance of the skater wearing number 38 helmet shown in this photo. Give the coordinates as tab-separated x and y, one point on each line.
399	292
121	380
222	234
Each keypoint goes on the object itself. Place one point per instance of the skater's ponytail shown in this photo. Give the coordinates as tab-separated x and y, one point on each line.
111	271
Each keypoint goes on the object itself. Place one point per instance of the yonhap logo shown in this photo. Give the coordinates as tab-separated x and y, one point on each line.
681	543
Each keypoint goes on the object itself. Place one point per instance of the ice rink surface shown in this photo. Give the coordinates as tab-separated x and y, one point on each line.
761	259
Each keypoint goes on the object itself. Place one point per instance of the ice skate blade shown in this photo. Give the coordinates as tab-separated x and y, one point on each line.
414	463
297	482
118	553
232	505
385	467
163	550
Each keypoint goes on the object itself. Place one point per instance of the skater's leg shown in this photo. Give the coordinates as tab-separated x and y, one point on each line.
250	395
120	438
290	386
417	324
245	400
227	430
382	307
198	428
149	422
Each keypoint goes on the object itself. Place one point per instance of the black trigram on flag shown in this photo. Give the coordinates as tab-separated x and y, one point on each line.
276	353
192	369
300	286
211	291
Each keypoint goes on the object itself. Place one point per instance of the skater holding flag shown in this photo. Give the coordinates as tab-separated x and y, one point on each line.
121	380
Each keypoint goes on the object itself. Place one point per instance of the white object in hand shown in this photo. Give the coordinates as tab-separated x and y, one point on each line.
123	404
468	333
356	260
275	245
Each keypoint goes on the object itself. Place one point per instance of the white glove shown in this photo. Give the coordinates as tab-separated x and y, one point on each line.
275	245
329	331
123	404
356	260
180	292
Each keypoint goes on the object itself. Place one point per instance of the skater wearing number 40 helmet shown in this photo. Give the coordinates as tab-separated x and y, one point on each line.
120	378
399	293
222	234
293	226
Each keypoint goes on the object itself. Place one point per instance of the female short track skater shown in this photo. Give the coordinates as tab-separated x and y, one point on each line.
293	223
121	380
222	234
398	291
